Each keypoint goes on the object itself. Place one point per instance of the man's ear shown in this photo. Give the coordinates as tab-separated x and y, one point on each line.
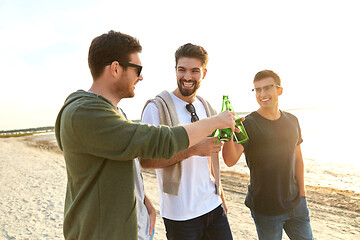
204	73
116	69
280	91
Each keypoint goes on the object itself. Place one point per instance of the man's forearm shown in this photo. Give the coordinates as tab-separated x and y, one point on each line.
232	152
299	171
161	163
148	204
199	130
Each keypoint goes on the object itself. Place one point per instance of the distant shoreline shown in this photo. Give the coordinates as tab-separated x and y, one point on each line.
30	131
25	132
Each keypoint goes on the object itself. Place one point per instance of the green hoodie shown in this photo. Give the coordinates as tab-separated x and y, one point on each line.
99	146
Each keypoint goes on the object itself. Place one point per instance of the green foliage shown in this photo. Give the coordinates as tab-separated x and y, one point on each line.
25	132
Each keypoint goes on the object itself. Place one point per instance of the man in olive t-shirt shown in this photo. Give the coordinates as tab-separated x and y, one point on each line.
276	194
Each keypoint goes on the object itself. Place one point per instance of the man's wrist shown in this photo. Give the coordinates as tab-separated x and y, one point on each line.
302	192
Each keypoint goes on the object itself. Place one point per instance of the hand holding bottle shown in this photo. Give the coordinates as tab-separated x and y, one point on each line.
198	130
226	119
207	147
240	135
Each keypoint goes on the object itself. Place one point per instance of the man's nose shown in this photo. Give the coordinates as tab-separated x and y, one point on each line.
187	75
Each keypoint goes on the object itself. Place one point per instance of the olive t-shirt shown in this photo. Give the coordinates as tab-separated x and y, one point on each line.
270	156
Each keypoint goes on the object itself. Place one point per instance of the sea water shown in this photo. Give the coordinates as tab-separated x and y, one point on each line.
330	148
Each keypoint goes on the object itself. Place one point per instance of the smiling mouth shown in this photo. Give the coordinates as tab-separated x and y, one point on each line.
135	84
265	100
188	84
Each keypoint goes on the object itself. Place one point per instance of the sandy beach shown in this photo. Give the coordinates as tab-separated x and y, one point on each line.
33	182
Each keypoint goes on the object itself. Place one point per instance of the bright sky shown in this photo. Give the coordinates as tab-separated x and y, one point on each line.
313	46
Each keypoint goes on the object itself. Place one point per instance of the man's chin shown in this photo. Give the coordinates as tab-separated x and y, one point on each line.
187	92
130	95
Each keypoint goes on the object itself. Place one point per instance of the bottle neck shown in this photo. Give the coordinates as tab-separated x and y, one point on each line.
224	103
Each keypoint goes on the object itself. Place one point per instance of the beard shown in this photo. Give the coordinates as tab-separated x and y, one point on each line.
188	92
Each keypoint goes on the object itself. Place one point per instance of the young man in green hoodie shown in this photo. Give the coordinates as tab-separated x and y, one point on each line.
99	144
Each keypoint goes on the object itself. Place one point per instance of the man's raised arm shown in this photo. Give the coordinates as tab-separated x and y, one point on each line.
199	144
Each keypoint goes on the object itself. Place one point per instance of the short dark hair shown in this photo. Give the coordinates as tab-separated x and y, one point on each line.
192	51
267	73
109	47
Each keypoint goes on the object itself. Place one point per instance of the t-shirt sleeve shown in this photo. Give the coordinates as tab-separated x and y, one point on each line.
151	115
300	139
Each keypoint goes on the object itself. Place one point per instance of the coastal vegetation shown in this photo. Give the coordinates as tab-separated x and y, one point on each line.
25	132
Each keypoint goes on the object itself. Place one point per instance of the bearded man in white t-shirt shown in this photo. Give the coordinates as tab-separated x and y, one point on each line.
191	198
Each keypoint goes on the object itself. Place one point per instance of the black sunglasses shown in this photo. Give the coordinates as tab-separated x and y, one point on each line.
126	64
191	110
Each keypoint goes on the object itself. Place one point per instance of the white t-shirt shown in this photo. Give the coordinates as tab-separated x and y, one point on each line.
196	195
143	219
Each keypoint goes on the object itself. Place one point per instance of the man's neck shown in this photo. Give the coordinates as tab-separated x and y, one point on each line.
271	114
188	99
106	94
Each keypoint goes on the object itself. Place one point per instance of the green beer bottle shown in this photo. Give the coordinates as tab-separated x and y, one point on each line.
225	134
242	136
215	134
